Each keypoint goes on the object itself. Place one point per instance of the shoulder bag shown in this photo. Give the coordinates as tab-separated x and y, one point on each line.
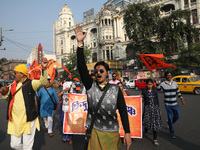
54	102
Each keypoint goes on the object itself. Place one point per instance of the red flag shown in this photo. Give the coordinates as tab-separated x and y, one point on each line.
152	61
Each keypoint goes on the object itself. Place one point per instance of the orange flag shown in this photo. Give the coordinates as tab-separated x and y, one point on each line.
50	68
117	76
152	61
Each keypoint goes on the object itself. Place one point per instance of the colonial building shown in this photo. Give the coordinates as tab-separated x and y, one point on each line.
106	37
167	6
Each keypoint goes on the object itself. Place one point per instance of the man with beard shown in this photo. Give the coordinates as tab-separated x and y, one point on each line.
114	79
22	114
105	132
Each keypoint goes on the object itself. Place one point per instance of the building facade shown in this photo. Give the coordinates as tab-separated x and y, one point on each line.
8	68
106	37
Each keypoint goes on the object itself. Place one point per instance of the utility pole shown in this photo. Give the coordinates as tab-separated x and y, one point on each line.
0	35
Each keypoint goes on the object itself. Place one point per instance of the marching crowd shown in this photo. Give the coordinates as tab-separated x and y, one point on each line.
30	99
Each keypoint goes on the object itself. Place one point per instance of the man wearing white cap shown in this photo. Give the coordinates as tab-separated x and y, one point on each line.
22	114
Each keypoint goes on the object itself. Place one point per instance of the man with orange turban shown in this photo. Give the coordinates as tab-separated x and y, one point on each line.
22	114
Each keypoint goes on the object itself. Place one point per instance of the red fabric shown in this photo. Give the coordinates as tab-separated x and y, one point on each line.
152	61
12	91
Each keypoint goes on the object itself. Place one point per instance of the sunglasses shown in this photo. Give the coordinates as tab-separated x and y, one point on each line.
100	70
114	76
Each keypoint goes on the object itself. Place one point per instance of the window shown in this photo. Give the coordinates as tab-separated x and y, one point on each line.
94	44
192	1
125	37
177	79
185	80
194	16
94	57
61	51
139	80
106	37
186	2
111	54
69	24
103	55
106	21
61	42
108	54
110	36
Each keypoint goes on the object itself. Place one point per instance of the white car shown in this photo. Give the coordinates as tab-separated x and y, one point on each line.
130	83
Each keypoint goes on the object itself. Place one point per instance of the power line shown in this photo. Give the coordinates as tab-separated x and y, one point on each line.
25	45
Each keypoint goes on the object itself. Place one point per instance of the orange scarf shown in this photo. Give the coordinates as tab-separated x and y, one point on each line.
12	91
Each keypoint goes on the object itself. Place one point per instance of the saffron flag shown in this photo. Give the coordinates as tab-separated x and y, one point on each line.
35	70
152	61
75	118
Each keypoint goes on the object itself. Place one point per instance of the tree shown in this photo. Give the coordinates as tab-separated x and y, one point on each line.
141	24
152	34
71	62
2	60
173	32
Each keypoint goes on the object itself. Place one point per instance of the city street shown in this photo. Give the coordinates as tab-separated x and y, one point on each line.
186	130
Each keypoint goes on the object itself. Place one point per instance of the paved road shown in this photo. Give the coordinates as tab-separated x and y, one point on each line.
187	130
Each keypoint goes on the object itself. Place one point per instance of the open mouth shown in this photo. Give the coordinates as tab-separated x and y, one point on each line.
99	77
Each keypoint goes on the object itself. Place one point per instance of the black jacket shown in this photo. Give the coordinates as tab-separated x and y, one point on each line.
29	101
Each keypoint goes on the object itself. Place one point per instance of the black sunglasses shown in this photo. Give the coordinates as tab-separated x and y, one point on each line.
100	70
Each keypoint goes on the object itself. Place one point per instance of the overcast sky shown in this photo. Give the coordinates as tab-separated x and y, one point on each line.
32	21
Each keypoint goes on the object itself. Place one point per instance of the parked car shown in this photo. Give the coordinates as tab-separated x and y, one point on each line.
141	84
187	83
130	83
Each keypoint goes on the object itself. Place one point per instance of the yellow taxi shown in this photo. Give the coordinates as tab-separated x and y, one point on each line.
56	84
188	83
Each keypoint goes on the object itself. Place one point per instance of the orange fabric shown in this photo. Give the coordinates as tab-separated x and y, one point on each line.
117	76
36	71
12	91
152	61
76	79
78	88
75	119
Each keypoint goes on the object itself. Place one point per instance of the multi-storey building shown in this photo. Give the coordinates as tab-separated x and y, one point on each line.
167	6
106	37
120	3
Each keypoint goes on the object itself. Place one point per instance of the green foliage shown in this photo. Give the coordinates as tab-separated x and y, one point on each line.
2	60
152	34
71	63
141	24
